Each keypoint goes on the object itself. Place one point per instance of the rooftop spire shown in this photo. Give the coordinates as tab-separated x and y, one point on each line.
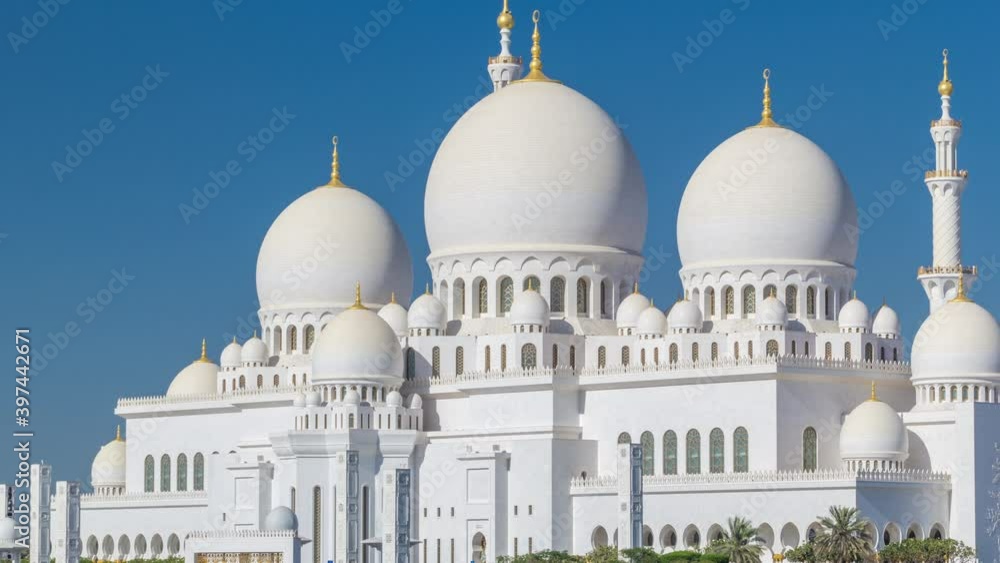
506	19
204	353
960	295
357	297
945	87
874	397
765	114
335	168
536	74
635	287
118	433
392	297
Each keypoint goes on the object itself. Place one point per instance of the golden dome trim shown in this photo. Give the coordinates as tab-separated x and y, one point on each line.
536	74
204	352
118	433
766	116
335	181
960	296
358	306
506	18
945	87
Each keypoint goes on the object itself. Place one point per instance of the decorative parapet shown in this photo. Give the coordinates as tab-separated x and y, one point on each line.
946	123
505	59
936	270
240	534
146	498
229	396
900	368
492	375
946	174
607	483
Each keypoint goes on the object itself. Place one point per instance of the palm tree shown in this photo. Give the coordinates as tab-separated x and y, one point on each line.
739	543
844	536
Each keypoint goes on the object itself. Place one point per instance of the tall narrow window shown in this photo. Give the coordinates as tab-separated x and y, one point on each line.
149	466
715	351
506	294
503	357
736	350
710	301
693	452
182	472
749	300
557	295
483	297
694	352
486	358
582	297
293	338
624	438
572	358
277	340
642	357
670	453
869	352
847	350
411	363
602	357
529	356
828	304
459	361
716	451
458	298
277	380
741	450
809	449
318	525
625	355
828	351
656	356
604	298
730	305
811	302
791	299
772	348
750	349
555	355
199	472
310	337
646	441
260	380
673	353
165	473
436	362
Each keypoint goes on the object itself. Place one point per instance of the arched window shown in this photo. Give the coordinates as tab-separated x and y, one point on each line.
642	357
572	358
673	353
693	452
458	298
741	450
749	300
694	352
828	351
828	303
772	347
260	380
933	394
411	363
555	355
656	356
648	463
459	360
710	301
793	348
624	438
602	357
716	451
806	345
750	350
557	295
486	357
881	353
954	393
483	303
317	532
604	298
506	294
895	354
149	467
670	453
182	472
529	358
277	340
729	297
165	473
293	338
582	297
715	351
625	355
811	302
847	350
503	357
199	472
809	449
277	380
965	392
869	352
310	337
436	361
736	350
791	299
531	282
243	382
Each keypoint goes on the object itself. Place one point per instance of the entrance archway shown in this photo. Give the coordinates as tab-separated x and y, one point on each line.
478	548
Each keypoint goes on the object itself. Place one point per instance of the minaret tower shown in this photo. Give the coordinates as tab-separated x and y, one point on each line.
946	184
504	68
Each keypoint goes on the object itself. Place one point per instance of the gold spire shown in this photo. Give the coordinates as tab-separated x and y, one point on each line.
204	354
427	289
392	297
506	19
335	168
118	433
854	295
234	339
945	87
536	74
765	115
531	284
635	287
874	397
255	333
960	295
357	297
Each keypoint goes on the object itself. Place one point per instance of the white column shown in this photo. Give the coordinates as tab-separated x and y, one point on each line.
41	512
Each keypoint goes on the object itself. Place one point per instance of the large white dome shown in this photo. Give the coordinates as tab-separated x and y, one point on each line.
874	431
323	243
359	346
198	378
535	165
959	340
767	195
108	468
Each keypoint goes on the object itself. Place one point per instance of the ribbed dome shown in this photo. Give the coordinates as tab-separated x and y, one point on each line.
630	309
394	314
427	311
854	315
232	355
108	468
254	351
767	195
535	165
960	340
886	322
357	345
652	322
685	315
529	308
873	430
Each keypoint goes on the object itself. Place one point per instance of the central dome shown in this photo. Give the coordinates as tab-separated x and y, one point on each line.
535	165
767	195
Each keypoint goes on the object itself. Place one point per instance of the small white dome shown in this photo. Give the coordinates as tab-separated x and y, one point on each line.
281	518
8	532
630	309
854	315
873	430
254	351
685	315
352	397
299	400
772	312
529	308
313	398
427	311
886	322
198	378
108	468
652	322
959	340
231	355
394	399
358	345
416	402
394	314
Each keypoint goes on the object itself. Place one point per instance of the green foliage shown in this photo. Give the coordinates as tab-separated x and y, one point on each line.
681	557
843	537
927	551
737	544
603	554
714	558
640	555
804	553
546	556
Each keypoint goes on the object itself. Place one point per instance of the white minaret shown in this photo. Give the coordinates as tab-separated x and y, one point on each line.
946	184
504	68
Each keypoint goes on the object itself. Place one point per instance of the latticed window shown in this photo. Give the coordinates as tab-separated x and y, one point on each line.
656	356
811	302
749	300
715	351
730	298
557	295
149	467
791	299
646	441
555	355
459	297
602	357
847	350
582	296
673	353
459	360
277	380
716	451
165	473
436	362
484	296
260	380
750	350
670	453
293	338
182	472
572	357
310	337
772	348
693	452
809	449
828	351
710	301
642	356
625	354
736	350
624	438
503	357
869	352
486	357
694	352
604	298
506	294
828	303
199	472
529	356
741	450
317	524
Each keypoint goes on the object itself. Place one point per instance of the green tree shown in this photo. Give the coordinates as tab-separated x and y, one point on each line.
843	537
545	556
640	555
805	553
739	544
602	554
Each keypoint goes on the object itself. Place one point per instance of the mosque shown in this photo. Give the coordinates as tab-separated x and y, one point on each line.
534	398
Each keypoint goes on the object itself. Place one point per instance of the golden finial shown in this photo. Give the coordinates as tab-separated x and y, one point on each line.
945	87
118	433
960	295
335	167
357	297
234	339
854	294
255	333
531	284
392	297
536	74
506	19
652	302
874	397
204	353
774	292
635	287
765	115
427	289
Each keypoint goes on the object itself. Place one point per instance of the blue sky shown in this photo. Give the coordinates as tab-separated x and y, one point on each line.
167	94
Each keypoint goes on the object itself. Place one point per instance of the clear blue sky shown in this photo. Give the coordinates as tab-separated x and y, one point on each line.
215	81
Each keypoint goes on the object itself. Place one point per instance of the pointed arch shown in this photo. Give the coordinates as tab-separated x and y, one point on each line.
693	451
557	295
741	450
716	451
670	453
582	297
646	441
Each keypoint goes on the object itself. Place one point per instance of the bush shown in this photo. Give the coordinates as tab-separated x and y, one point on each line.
713	558
681	557
546	556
